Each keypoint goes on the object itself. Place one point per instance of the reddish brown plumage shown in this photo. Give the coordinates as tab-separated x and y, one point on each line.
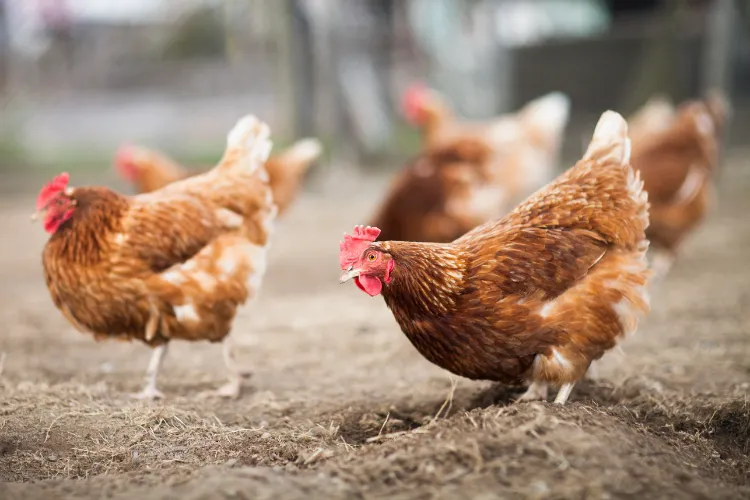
149	170
537	295
430	200
171	264
469	173
677	165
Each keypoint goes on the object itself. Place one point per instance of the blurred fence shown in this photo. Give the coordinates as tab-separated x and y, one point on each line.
77	77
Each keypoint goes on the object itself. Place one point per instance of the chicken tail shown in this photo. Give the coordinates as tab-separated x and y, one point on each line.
248	146
300	155
610	142
653	117
719	106
610	146
547	115
147	168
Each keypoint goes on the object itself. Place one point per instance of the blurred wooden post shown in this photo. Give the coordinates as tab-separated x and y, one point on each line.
717	53
657	67
718	45
302	70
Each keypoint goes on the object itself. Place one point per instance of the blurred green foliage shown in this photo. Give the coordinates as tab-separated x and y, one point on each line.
12	152
201	34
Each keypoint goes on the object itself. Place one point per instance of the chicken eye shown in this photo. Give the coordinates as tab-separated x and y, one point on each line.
371	257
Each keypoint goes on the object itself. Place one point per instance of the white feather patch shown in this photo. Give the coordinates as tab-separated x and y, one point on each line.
549	112
228	218
306	150
186	313
253	136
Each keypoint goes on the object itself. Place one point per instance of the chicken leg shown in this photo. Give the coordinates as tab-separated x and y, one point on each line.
150	391
661	264
563	393
233	387
593	372
536	391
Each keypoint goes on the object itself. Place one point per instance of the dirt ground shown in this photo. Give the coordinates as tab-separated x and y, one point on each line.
342	406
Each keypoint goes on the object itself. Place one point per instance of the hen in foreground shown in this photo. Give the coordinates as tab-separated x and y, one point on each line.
171	264
535	296
149	170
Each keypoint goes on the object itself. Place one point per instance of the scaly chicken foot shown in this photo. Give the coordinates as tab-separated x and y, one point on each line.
233	387
536	391
150	392
563	393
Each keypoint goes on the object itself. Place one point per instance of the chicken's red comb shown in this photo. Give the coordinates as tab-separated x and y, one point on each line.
124	162
352	247
412	101
51	189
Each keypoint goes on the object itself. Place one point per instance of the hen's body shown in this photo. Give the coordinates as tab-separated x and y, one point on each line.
678	166
171	264
469	174
654	117
539	294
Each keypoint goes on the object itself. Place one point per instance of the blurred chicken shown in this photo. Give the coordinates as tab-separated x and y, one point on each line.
537	295
149	170
171	264
678	165
652	118
474	173
428	110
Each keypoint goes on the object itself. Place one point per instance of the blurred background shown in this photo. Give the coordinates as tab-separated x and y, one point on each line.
78	77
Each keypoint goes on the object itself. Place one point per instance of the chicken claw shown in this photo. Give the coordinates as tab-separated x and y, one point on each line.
230	390
148	393
536	391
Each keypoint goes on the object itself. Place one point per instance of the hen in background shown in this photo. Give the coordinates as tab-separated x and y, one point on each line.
171	264
654	117
468	174
148	169
537	295
678	164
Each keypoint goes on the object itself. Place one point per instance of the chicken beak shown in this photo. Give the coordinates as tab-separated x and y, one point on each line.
36	216
349	274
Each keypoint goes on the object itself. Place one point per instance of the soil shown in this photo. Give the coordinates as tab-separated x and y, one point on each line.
341	405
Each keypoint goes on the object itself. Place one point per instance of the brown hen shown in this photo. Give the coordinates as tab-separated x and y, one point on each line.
678	163
471	173
171	264
537	295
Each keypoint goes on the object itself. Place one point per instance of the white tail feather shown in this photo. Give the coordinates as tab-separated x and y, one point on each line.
610	139
305	150
252	136
549	112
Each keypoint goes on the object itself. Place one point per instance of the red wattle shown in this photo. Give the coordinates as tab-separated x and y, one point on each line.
369	284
